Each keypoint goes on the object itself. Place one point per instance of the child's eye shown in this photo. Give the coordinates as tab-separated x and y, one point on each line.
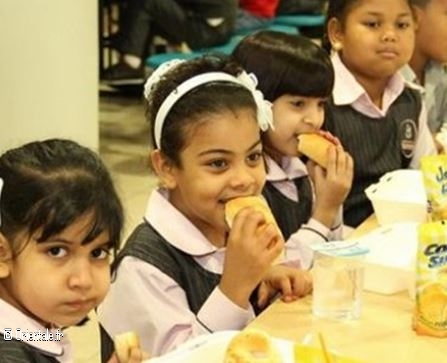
298	103
403	24
254	157
372	24
100	253
218	164
57	252
322	103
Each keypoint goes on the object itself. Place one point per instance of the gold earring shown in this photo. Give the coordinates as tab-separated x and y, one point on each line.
336	46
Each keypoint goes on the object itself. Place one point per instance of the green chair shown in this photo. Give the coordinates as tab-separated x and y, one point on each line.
300	20
155	60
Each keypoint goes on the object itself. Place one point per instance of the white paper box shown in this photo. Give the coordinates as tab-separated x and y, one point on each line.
399	196
390	267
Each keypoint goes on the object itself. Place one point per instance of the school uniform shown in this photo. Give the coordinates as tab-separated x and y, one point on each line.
41	349
170	273
379	140
434	93
289	193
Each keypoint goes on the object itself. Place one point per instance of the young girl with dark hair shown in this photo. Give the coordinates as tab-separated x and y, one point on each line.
379	119
187	274
60	219
296	75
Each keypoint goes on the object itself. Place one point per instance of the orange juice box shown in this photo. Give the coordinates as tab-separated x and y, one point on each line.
430	315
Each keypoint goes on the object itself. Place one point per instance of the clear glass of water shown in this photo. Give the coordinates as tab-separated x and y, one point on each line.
337	286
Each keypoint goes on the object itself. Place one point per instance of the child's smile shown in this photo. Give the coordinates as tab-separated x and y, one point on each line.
223	160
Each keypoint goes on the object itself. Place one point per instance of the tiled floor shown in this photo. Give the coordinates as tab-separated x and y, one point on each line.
124	147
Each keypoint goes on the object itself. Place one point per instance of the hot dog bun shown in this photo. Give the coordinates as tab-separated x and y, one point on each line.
233	206
124	343
314	146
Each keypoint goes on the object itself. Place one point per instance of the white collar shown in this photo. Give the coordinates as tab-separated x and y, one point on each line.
175	227
290	168
348	91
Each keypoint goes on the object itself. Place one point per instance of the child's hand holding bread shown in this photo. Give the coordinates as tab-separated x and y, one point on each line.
331	169
127	349
254	242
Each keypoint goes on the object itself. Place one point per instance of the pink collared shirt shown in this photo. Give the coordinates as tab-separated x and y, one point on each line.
144	299
21	326
347	91
312	232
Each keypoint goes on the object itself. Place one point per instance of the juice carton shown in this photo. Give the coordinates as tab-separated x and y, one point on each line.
430	315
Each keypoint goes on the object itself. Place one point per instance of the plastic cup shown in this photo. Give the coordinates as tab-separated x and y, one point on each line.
337	286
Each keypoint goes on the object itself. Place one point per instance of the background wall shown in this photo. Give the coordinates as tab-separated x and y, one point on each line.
48	71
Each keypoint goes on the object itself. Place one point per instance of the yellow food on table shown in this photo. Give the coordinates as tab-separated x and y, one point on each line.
252	346
312	354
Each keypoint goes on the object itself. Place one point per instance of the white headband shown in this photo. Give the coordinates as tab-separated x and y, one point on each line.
264	114
1	187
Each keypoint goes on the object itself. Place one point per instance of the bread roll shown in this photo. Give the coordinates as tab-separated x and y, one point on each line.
233	206
252	346
314	146
124	343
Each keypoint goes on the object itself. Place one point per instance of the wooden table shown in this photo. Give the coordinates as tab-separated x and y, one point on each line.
367	226
383	334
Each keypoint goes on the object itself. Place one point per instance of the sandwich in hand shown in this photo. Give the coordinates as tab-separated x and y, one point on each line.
315	146
258	203
124	343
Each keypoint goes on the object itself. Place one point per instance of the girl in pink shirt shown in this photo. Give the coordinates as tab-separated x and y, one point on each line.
60	220
184	272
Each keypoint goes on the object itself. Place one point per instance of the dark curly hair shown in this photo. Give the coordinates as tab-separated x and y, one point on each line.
207	99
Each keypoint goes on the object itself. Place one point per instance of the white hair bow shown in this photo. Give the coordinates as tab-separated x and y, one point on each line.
265	113
158	74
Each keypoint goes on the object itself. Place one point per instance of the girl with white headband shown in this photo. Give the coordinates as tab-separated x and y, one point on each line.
306	199
182	273
61	218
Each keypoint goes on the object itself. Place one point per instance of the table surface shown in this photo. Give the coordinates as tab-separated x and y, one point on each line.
383	334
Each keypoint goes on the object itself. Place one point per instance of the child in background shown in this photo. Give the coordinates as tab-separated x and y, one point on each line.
379	120
187	274
60	218
427	64
296	75
193	24
255	14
